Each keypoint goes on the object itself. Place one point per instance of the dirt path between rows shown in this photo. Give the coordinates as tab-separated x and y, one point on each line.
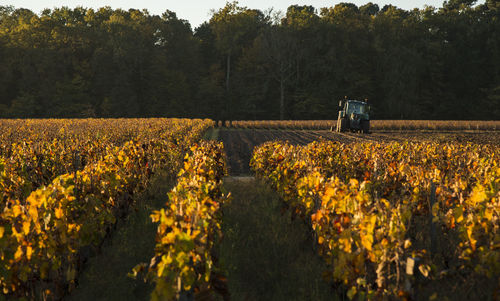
266	254
263	252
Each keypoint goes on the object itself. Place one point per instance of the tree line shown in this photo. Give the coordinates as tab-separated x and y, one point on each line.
243	63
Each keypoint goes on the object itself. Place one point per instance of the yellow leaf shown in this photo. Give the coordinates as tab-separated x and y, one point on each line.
354	183
167	259
321	240
168	239
18	254
478	196
167	220
2	230
73	227
424	269
473	241
155	216
160	268
367	241
346	243
33	212
328	193
317	216
488	214
17	210
58	212
29	251
26	227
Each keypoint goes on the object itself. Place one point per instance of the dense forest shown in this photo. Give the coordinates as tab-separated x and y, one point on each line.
243	63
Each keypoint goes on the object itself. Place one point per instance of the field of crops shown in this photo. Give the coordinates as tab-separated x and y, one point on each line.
397	214
188	226
64	183
397	220
239	143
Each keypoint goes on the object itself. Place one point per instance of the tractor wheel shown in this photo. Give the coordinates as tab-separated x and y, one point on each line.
365	126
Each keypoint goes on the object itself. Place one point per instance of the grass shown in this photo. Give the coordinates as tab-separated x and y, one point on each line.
266	254
211	134
105	275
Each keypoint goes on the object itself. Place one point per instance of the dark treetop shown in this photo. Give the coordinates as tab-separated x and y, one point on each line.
431	63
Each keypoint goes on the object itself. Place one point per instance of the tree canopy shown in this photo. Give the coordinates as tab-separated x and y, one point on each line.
243	63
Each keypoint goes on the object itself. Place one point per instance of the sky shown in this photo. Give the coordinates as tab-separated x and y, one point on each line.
196	12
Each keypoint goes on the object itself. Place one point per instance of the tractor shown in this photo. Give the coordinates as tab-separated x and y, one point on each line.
353	116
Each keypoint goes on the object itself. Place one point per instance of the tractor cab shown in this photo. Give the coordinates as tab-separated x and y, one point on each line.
353	116
357	107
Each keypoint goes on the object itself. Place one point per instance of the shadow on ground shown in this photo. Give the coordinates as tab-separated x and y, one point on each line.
105	275
267	255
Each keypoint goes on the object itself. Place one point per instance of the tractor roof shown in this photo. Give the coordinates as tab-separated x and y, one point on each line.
356	101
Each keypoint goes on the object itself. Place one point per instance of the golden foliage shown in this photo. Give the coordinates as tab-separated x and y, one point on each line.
43	231
362	199
188	225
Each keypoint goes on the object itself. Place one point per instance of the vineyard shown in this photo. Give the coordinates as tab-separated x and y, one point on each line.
396	220
239	143
408	215
66	182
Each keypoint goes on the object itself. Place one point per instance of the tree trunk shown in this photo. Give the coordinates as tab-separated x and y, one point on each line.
228	71
228	105
282	99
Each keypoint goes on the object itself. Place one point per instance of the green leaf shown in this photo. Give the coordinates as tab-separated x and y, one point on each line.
351	293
